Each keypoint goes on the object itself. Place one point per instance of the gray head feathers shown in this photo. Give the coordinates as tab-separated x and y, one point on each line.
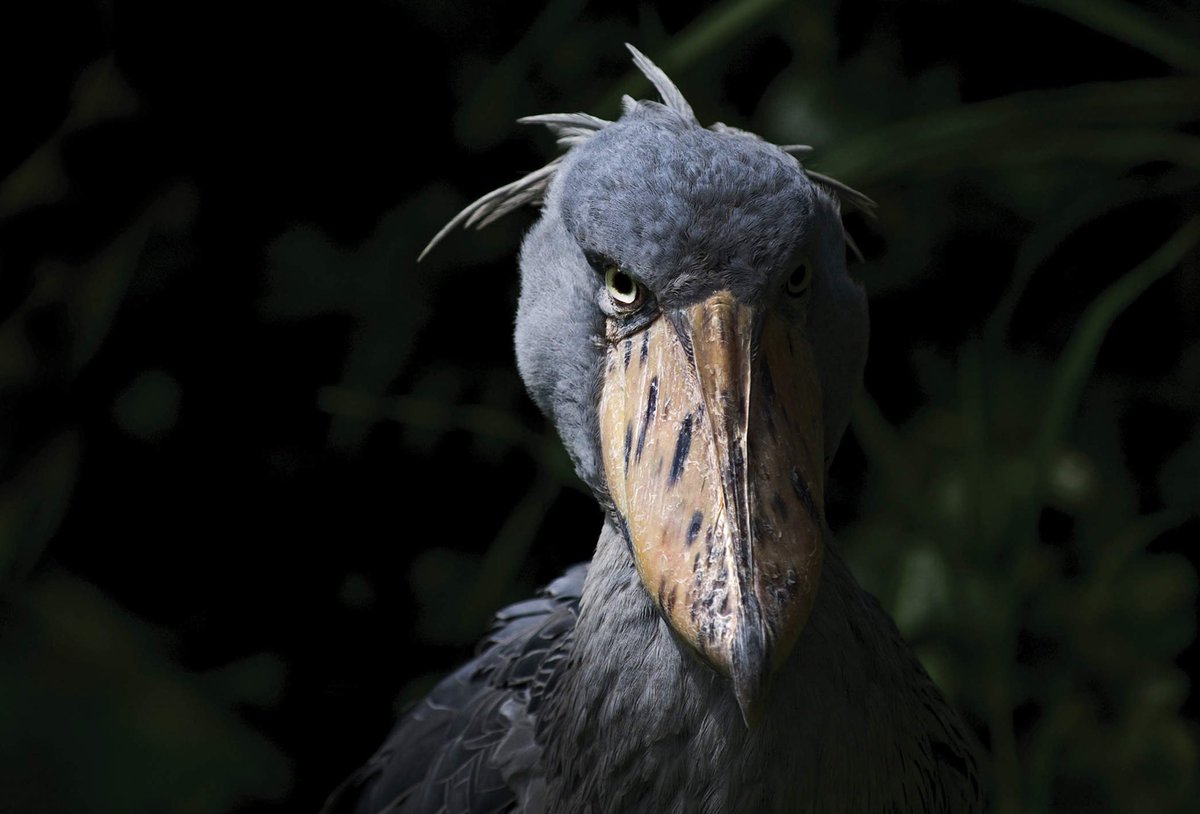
573	129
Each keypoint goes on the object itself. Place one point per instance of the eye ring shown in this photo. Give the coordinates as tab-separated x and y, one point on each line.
623	290
797	283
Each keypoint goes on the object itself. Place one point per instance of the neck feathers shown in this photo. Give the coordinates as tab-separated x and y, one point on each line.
639	724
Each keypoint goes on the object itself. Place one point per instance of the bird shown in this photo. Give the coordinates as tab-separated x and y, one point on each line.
687	322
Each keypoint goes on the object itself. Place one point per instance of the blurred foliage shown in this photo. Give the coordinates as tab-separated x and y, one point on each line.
227	386
104	720
96	714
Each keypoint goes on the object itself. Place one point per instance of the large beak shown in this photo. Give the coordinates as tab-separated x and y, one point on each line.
712	439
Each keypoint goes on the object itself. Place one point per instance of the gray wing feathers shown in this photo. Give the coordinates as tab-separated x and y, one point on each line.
469	747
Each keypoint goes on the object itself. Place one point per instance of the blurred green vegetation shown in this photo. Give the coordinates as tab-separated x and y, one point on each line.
226	383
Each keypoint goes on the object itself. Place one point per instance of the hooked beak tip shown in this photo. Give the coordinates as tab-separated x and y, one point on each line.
712	440
749	669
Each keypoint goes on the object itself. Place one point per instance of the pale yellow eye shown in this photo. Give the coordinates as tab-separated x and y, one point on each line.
797	283
622	289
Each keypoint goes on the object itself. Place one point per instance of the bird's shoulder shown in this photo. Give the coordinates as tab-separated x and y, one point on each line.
944	754
469	746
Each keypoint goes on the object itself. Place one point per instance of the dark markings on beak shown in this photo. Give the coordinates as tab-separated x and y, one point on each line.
801	489
737	461
683	332
682	445
625	531
767	384
777	501
727	555
784	592
736	468
651	407
694	528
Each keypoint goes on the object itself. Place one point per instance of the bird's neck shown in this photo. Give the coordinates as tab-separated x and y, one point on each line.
639	721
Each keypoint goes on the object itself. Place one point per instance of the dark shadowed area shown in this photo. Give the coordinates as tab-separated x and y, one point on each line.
263	478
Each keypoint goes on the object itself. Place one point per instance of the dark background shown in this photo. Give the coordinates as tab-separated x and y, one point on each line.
265	478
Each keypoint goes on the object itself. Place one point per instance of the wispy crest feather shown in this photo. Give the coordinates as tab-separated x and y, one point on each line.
671	95
573	129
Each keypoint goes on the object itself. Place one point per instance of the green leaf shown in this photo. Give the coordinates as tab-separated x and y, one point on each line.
1077	359
1173	43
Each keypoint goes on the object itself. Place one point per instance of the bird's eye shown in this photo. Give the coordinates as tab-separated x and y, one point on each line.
622	289
797	284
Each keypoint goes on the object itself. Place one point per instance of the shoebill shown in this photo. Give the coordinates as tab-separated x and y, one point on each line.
687	322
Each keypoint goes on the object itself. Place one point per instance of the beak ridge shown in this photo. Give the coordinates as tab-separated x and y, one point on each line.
703	434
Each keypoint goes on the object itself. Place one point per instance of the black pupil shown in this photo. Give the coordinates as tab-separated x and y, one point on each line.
622	283
799	276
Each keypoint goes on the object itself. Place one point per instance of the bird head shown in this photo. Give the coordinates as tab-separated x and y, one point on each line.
687	321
